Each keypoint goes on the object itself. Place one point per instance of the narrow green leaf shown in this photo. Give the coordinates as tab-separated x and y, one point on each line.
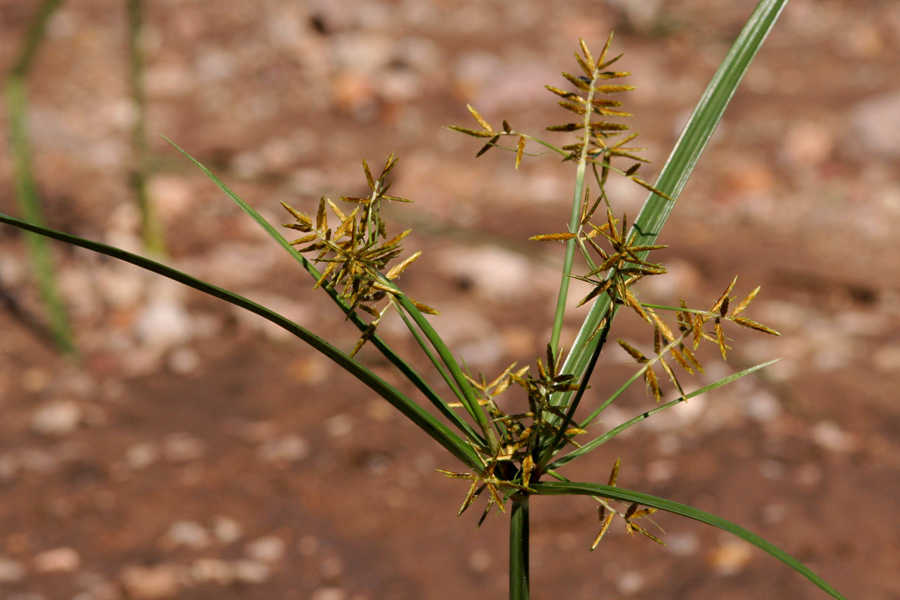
428	423
559	488
593	444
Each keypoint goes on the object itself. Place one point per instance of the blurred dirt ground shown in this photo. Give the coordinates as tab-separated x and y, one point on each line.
201	454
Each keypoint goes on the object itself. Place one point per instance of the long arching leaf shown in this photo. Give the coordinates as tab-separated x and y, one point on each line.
405	369
558	488
424	420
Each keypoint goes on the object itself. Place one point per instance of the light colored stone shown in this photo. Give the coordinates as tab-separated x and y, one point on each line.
142	455
9	467
182	447
11	570
188	534
887	359
660	470
808	144
163	323
171	195
268	549
729	558
682	544
876	122
496	274
183	361
153	583
339	425
57	418
761	406
251	571
630	583
227	530
830	436
290	448
329	593
58	560
212	570
480	561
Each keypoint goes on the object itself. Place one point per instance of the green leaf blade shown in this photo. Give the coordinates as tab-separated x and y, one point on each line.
558	488
424	420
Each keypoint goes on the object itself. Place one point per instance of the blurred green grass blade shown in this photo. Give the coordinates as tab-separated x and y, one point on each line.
558	488
151	227
684	157
26	188
424	420
375	340
593	444
34	36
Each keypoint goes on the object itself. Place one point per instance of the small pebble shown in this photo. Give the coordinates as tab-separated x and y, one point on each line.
730	557
251	571
142	455
290	448
182	447
480	561
11	570
152	583
58	560
329	593
339	425
212	570
188	534
630	583
266	549
183	361
682	544
57	418
227	530
875	122
831	437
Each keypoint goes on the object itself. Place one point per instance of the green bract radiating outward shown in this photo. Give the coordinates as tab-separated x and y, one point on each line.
507	450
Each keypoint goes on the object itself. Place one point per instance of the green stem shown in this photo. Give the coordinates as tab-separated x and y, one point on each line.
574	220
26	185
518	548
154	241
558	440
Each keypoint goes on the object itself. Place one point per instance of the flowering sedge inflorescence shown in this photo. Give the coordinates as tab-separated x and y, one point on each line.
616	260
355	256
516	448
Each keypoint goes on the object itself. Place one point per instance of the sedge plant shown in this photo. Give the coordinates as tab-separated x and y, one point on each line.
506	457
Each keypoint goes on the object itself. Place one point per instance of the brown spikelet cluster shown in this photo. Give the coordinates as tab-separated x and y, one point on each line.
592	102
521	435
356	253
606	512
693	329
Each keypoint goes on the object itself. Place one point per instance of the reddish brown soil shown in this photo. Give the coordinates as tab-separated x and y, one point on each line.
223	460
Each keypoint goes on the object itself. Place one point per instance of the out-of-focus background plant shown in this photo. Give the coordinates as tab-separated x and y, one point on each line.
186	450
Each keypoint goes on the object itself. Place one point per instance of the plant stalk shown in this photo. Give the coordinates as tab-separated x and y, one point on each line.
26	185
154	242
518	548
